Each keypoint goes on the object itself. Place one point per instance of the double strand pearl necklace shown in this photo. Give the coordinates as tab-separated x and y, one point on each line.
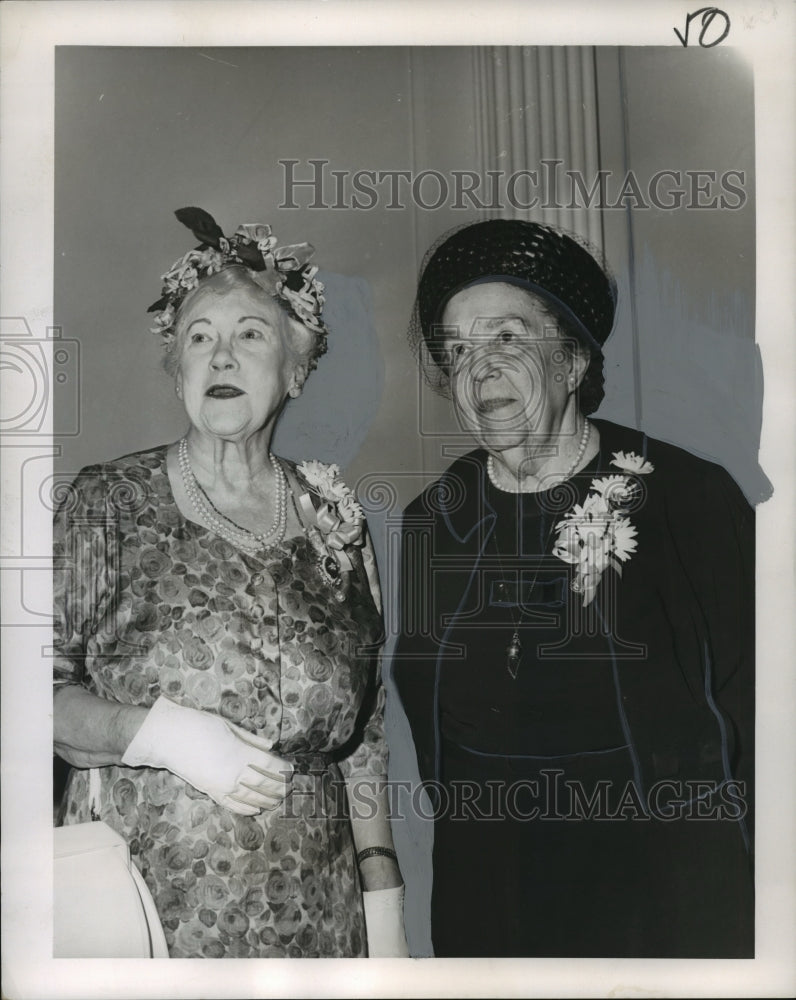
584	442
242	538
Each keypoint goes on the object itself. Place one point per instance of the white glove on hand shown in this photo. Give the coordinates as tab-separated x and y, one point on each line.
217	757
384	923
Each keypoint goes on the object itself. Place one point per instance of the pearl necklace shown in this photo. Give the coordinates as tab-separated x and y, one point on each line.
242	538
584	441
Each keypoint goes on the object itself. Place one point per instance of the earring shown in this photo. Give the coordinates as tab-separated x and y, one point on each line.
294	391
572	381
178	390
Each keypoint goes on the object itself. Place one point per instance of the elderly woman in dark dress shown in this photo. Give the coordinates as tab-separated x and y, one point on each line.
217	630
576	655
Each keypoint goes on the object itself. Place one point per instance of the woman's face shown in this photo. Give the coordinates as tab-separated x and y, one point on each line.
235	363
509	365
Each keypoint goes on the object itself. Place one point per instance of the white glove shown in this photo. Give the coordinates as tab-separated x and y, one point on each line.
217	757
384	923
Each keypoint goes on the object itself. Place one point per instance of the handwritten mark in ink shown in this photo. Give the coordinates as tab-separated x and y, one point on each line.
707	38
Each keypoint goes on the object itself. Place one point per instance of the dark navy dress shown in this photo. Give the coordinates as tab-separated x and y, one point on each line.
598	803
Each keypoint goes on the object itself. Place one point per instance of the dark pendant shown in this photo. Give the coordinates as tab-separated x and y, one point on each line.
513	655
331	572
331	569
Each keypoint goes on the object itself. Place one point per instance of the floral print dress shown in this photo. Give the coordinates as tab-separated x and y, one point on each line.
150	603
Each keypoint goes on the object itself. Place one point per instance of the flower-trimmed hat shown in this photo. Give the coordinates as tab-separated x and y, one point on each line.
542	260
283	272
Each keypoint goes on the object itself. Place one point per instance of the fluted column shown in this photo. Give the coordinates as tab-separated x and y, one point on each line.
536	104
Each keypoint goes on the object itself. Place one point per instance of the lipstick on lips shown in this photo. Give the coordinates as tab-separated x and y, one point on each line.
488	406
224	391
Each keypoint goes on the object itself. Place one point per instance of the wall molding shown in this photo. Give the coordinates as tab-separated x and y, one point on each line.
535	103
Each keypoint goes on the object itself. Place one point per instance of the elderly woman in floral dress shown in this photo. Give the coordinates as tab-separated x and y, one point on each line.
577	641
218	624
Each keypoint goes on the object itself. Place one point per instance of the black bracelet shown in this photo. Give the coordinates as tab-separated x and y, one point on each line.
373	852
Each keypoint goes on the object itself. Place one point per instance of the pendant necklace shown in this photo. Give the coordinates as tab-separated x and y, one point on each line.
514	648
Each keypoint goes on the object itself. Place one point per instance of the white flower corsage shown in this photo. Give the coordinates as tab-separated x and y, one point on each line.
336	522
631	462
597	534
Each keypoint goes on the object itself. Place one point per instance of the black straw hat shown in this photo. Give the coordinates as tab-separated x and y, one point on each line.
548	263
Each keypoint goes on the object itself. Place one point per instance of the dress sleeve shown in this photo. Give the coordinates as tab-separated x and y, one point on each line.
369	758
718	548
80	573
371	571
730	606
